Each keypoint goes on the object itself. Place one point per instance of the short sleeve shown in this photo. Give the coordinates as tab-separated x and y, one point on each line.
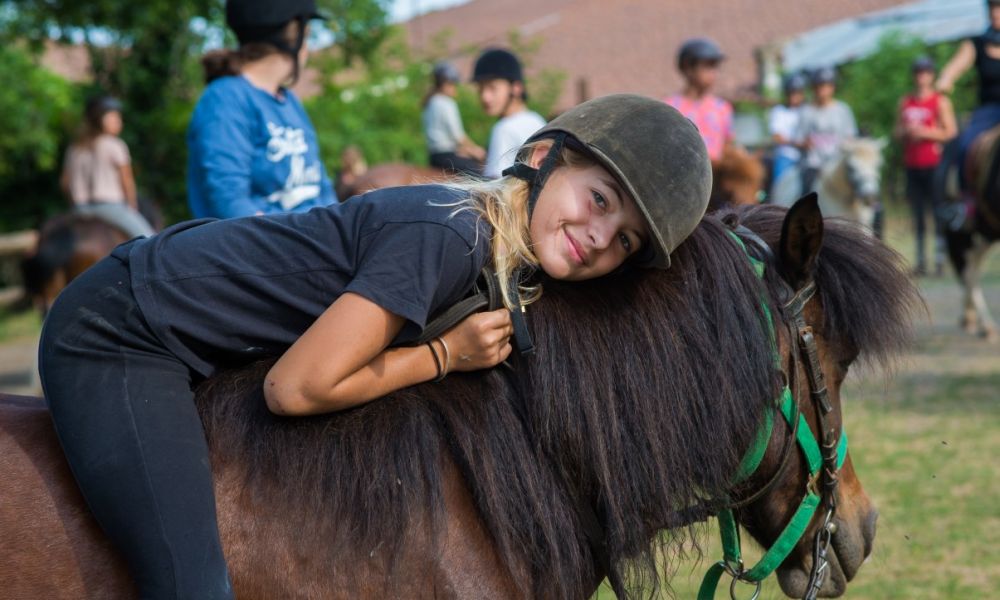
414	269
115	151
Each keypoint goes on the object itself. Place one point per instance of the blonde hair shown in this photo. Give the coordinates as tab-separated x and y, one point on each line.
503	203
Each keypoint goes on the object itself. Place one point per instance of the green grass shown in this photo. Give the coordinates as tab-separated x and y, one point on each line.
19	324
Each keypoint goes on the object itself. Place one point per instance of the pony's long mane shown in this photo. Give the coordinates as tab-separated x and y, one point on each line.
646	389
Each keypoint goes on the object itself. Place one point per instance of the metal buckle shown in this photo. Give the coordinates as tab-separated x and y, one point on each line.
732	589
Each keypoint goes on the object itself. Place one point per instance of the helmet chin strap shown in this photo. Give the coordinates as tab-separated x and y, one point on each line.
536	179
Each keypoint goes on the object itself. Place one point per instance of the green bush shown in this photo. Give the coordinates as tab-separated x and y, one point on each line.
37	113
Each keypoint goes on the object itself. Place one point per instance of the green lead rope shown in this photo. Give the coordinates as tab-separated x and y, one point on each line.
732	561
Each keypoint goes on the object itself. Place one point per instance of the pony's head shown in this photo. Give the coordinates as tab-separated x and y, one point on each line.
737	178
862	159
849	270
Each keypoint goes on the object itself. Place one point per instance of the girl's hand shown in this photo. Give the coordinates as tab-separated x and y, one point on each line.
481	341
944	86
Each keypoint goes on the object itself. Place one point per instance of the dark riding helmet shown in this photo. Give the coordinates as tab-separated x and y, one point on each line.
263	21
924	63
653	151
97	107
697	50
444	71
824	75
794	82
497	63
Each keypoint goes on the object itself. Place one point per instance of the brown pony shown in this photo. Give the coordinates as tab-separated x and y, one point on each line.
737	179
356	177
646	390
68	245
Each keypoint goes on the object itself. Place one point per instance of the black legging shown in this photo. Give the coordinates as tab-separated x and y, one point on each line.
125	415
923	201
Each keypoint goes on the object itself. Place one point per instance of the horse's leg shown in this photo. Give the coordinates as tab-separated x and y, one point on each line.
975	300
52	548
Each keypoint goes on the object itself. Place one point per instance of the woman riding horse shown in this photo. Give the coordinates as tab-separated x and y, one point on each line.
982	52
335	292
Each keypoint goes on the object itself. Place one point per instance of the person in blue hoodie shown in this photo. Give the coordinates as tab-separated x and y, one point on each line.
252	149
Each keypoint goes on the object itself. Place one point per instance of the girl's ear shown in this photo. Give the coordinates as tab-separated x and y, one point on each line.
538	153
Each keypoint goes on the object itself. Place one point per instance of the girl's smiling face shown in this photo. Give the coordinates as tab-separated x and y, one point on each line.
584	224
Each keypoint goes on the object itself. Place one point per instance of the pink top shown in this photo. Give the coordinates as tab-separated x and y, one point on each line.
93	172
713	117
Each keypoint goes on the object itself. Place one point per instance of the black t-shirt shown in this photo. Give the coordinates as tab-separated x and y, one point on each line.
989	73
223	293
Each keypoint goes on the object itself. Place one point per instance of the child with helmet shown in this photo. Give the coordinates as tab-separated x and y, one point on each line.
340	293
97	171
698	60
925	120
782	123
824	125
448	146
983	53
502	93
251	147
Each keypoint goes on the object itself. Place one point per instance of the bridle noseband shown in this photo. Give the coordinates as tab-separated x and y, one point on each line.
824	459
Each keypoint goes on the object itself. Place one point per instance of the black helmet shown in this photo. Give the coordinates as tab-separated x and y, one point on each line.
445	71
98	106
697	50
654	152
794	82
824	75
924	63
497	63
264	20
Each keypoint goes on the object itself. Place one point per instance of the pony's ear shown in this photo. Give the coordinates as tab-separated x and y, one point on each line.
801	238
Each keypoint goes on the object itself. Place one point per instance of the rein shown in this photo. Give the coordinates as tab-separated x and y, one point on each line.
824	460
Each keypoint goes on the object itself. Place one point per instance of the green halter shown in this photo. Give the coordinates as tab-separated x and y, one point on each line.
732	561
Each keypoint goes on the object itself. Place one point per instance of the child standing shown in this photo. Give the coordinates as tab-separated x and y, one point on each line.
925	121
825	124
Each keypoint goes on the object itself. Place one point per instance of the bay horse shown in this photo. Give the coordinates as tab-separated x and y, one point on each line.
645	392
970	237
356	177
68	244
737	179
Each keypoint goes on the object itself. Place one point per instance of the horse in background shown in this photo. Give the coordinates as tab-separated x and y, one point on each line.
69	244
972	224
737	179
849	186
356	177
472	487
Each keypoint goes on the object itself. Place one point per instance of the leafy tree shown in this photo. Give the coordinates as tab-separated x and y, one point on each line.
36	109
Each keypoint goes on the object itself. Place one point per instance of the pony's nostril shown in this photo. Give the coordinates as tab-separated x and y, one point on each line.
868	531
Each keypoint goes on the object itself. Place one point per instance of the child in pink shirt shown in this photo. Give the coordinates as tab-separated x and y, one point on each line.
698	61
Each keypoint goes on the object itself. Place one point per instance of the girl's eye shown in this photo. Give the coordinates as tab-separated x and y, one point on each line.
626	243
599	199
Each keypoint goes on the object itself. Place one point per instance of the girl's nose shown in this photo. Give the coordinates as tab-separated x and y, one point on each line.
601	233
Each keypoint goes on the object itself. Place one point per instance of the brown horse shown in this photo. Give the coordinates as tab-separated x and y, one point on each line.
356	177
68	245
737	179
646	390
